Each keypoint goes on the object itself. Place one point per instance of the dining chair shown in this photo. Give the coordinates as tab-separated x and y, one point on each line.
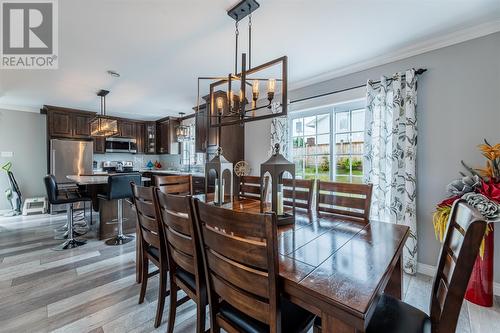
250	187
465	231
184	257
304	189
240	257
152	245
345	199
181	185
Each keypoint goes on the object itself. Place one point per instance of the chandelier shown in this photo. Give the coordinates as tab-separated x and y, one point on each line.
102	125
182	132
253	93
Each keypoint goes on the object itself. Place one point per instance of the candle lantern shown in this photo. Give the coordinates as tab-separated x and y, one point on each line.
223	172
276	166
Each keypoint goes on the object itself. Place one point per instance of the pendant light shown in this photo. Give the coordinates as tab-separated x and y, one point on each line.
182	132
102	125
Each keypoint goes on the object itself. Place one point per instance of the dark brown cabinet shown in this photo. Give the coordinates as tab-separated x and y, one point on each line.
99	145
126	129
150	139
60	124
166	139
81	126
140	131
201	129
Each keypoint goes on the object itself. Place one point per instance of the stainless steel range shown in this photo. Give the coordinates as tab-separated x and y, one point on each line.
118	166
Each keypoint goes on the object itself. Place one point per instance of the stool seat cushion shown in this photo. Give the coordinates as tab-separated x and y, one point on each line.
394	316
294	319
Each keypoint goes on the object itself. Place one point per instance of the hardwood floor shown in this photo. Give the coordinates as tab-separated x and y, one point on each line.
93	289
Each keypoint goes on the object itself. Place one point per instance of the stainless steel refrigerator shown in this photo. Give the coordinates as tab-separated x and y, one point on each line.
69	157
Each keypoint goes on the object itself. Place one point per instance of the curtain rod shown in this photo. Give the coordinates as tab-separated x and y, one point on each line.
417	72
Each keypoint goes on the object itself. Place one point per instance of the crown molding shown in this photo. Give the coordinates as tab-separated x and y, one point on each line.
22	108
425	46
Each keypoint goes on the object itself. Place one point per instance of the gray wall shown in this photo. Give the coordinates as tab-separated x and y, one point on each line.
23	133
458	106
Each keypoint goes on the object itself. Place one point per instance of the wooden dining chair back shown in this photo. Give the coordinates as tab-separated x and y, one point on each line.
345	199
181	185
151	244
304	189
250	187
240	254
463	237
183	250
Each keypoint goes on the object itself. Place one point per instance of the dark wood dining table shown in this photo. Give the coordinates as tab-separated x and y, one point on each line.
336	267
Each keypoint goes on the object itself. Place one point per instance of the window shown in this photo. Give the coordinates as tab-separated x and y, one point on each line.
327	142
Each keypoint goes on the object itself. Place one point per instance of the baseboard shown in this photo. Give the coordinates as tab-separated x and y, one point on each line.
430	270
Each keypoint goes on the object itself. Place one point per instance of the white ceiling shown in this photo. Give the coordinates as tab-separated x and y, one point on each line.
160	47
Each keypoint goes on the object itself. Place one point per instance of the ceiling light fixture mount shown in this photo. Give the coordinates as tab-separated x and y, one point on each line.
102	125
113	73
238	98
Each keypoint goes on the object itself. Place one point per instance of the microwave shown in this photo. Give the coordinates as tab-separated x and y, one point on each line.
121	145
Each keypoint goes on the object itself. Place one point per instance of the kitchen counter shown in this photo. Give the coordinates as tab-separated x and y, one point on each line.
174	172
95	180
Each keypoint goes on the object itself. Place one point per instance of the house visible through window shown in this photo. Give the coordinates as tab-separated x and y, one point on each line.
327	142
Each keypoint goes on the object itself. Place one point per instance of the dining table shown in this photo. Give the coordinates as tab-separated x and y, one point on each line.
333	266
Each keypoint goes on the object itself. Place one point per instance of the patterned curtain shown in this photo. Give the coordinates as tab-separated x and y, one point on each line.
390	155
279	132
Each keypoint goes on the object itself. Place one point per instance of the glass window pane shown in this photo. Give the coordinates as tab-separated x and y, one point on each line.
299	167
357	142
310	125
310	167
298	142
323	167
310	144
323	123
342	168
357	165
358	120
323	144
298	127
342	144
342	122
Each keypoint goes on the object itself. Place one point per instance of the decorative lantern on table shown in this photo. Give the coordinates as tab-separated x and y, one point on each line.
221	166
276	166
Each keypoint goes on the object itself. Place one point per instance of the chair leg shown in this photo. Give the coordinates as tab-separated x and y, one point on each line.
201	308
173	306
162	294
144	278
120	238
71	242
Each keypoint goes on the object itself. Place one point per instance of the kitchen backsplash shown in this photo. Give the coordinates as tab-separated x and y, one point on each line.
140	160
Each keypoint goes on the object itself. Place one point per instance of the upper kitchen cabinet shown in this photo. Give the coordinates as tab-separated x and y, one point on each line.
140	131
126	128
150	138
201	128
68	123
166	139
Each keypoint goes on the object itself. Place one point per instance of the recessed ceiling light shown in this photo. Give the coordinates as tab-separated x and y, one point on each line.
113	73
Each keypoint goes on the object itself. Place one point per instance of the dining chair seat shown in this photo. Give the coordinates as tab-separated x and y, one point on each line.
153	251
294	319
186	277
394	316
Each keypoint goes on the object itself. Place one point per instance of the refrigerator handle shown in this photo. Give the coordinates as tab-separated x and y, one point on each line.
53	161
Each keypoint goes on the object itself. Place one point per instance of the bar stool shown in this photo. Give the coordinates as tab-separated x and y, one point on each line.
57	197
118	189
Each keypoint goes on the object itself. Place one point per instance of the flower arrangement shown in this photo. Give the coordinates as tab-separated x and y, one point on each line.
480	188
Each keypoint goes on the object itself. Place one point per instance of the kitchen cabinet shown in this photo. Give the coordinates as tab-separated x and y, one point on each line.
166	139
126	129
99	145
140	131
150	138
201	129
81	126
68	123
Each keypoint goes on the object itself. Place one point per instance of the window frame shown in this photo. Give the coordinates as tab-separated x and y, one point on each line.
332	110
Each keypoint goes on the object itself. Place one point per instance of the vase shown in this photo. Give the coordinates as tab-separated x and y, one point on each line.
480	287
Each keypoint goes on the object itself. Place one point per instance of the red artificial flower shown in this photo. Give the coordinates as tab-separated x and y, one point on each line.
448	202
490	190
